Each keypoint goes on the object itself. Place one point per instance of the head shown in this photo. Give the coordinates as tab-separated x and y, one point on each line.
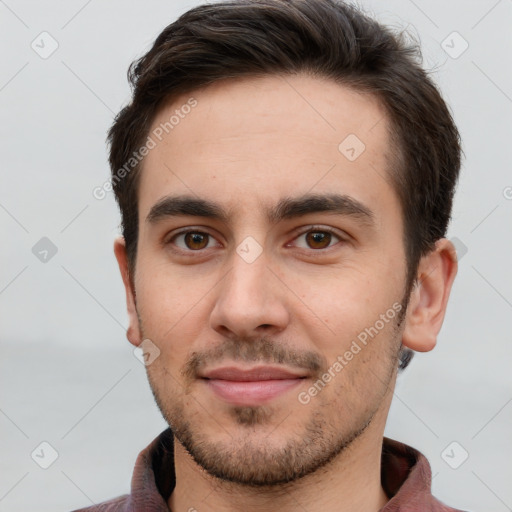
312	163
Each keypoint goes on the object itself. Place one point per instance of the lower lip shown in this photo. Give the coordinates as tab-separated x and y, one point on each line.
251	392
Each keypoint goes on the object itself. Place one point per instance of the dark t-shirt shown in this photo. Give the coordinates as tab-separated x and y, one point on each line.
405	477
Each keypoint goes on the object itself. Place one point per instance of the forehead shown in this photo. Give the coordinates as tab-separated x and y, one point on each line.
260	139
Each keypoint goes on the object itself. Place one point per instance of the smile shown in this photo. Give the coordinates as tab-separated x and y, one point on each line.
254	386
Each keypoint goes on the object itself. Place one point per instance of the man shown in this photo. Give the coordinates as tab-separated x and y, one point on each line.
285	174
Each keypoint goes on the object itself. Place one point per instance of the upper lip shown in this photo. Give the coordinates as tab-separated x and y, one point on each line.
234	373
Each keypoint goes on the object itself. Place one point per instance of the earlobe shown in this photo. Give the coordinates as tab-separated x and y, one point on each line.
133	332
429	297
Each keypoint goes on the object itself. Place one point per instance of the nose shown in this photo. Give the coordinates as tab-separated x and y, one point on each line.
250	301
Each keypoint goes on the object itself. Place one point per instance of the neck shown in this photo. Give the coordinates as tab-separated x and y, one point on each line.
352	481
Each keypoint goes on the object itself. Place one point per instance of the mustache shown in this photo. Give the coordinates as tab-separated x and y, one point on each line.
260	350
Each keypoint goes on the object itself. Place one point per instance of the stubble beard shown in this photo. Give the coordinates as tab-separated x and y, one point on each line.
256	463
252	462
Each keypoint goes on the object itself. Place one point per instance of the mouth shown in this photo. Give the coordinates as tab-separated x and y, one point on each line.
251	386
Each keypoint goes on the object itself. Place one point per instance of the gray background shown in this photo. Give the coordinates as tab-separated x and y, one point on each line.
69	377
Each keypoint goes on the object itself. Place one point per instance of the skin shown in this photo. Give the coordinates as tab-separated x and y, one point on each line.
248	144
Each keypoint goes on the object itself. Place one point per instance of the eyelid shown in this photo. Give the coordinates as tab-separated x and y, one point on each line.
343	237
169	238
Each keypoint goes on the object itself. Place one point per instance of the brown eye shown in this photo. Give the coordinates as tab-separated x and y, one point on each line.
195	240
190	241
318	239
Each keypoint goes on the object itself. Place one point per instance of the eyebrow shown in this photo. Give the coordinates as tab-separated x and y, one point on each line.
287	208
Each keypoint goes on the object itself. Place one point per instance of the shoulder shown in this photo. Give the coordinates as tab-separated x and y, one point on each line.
439	506
118	504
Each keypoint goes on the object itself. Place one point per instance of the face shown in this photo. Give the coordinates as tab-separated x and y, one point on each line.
270	274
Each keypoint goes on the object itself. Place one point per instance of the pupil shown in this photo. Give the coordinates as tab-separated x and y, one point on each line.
196	239
319	238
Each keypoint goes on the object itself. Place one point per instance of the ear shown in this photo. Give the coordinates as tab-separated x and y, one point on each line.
429	297
133	332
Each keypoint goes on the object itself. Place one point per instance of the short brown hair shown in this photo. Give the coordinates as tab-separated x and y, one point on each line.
325	38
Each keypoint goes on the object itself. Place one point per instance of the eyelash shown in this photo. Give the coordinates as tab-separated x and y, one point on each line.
311	229
320	229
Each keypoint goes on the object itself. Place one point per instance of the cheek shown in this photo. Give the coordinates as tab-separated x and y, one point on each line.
347	303
164	297
172	316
